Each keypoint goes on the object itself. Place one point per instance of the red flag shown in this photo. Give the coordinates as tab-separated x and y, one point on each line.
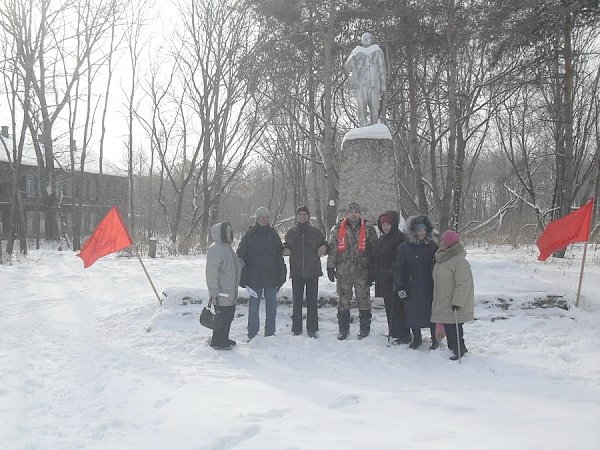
574	227
110	236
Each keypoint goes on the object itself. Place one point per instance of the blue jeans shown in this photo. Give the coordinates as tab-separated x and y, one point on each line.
270	296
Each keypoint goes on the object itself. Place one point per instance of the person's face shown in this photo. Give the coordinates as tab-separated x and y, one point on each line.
443	245
386	227
353	216
263	221
367	39
229	233
421	233
302	217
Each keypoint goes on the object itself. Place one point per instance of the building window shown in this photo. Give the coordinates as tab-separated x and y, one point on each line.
67	188
92	189
30	187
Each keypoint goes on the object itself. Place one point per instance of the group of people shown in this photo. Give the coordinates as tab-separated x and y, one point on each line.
422	284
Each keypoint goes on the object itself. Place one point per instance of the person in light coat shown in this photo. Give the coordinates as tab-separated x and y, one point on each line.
453	291
223	272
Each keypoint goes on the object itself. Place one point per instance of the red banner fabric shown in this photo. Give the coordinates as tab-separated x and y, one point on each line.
110	236
574	227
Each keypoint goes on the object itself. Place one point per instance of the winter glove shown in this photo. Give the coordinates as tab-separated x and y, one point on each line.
402	294
331	274
455	307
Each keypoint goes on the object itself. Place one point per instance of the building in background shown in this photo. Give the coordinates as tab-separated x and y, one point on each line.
99	192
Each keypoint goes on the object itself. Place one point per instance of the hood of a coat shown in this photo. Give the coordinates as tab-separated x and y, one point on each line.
411	228
392	215
218	232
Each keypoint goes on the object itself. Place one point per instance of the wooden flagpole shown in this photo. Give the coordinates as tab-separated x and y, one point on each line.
581	273
137	250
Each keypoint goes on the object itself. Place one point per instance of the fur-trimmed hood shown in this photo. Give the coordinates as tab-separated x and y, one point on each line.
411	228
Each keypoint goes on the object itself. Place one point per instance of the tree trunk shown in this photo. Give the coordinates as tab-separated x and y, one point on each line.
413	141
311	133
452	77
328	144
566	183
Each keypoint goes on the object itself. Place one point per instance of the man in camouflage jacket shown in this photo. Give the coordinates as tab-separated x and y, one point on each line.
351	244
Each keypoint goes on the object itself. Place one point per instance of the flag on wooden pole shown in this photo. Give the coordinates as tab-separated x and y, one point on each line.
574	227
110	236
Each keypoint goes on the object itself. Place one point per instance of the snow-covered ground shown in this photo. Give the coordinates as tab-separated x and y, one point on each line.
88	360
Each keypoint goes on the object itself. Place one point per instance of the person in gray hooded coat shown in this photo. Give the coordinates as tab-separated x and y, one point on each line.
223	273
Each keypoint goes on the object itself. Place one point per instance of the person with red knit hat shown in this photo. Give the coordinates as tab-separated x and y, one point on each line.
453	291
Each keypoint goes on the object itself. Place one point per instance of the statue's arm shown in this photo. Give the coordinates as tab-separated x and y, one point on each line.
349	64
381	67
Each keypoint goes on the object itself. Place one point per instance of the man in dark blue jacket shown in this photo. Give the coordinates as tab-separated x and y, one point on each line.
264	270
305	245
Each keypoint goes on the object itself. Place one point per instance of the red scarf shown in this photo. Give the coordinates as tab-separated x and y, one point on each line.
362	236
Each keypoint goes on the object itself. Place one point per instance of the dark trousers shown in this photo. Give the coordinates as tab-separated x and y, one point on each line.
419	337
312	288
451	337
220	337
394	310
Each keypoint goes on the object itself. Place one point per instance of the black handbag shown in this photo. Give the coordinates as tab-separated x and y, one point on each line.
208	319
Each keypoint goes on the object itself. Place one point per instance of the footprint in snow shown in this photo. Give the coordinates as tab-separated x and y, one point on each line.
269	414
344	400
568	357
161	402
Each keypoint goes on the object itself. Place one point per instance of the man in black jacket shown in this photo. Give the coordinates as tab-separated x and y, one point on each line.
305	245
264	270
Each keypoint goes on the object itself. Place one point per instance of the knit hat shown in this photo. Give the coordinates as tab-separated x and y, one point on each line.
262	211
303	209
353	207
450	238
385	219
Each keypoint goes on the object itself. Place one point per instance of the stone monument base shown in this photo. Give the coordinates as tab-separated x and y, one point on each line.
366	171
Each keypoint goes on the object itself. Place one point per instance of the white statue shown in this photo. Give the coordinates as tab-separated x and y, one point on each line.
367	78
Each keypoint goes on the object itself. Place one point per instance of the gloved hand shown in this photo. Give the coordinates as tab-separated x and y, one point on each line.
331	274
455	308
402	294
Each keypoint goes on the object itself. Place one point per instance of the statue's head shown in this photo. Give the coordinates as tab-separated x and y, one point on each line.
366	39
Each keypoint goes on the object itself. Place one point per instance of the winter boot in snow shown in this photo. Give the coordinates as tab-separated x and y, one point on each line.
365	323
434	342
417	338
344	324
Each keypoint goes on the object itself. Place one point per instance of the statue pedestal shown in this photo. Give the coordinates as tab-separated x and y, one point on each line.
366	171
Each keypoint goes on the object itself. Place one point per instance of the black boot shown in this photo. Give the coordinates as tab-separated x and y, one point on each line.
434	342
344	324
417	338
365	323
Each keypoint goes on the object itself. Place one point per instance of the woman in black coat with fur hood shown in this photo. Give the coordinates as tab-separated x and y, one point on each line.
382	258
413	276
